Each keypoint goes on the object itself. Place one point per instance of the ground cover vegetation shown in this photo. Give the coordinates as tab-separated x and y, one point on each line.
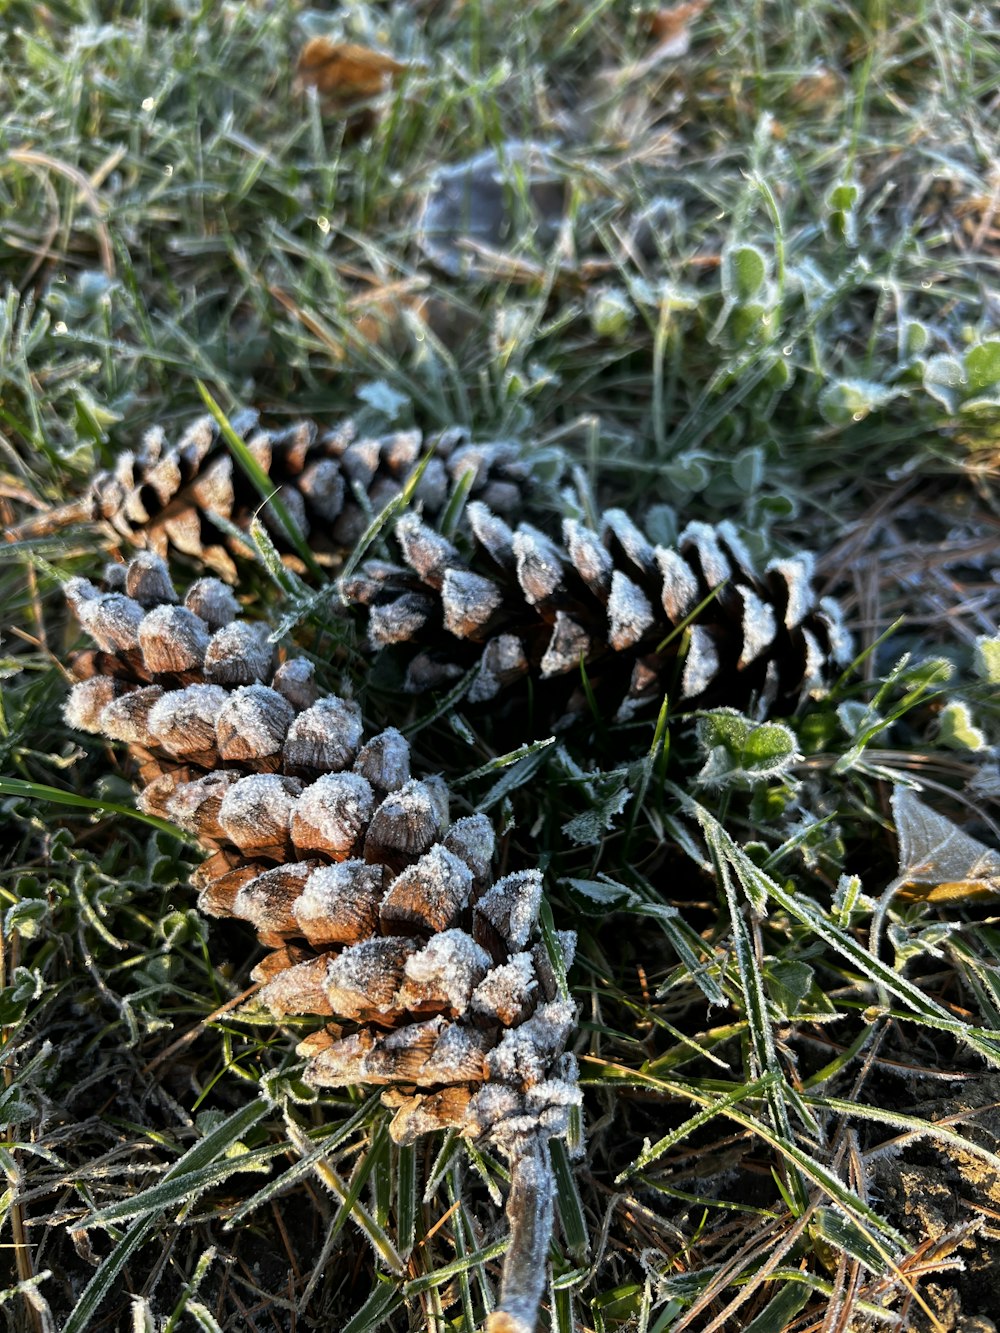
766	294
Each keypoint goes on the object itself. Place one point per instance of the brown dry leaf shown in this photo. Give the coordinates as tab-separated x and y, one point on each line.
670	28
938	861
345	72
819	90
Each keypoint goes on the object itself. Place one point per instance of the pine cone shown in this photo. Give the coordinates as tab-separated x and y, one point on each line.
379	914
696	622
170	496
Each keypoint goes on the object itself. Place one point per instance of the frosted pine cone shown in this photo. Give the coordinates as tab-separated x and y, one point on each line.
170	496
379	913
696	622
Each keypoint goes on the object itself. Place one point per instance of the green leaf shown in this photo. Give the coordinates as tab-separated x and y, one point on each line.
982	365
602	892
987	659
740	752
194	1162
263	484
842	198
38	791
744	272
915	338
613	794
841	203
957	730
849	400
760	887
779	1312
611	313
944	379
789	983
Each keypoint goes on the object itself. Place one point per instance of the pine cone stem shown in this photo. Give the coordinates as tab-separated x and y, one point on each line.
530	1207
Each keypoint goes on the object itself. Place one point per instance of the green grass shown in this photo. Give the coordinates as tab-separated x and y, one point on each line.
806	344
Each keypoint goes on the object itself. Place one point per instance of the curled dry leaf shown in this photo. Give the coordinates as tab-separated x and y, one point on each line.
938	859
345	73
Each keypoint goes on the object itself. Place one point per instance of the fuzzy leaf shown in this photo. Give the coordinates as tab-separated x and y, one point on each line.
944	378
744	272
982	365
934	851
741	752
957	730
988	659
603	893
592	824
853	399
789	983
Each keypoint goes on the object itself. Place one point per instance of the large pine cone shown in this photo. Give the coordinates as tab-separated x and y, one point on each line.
379	913
331	481
697	622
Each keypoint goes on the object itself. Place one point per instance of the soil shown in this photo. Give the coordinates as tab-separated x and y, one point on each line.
946	1201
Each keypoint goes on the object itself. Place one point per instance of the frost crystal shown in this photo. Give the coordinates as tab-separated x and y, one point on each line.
511	906
407	821
539	564
493	534
87	701
126	718
295	679
444	972
212	602
423	549
701	663
468	602
253	722
183	721
385	760
325	737
796	573
172	638
633	542
630	612
589	558
569	645
331	814
680	587
429	895
112	621
759	625
256	812
339	903
399	620
239	654
715	567
473	840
